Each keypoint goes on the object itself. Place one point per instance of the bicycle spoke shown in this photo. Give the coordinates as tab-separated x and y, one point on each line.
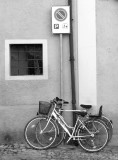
98	130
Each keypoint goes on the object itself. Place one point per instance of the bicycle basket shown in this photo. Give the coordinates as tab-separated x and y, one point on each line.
44	107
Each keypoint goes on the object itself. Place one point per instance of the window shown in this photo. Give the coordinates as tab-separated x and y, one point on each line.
25	59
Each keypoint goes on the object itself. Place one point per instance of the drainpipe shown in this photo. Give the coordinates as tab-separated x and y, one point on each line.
72	62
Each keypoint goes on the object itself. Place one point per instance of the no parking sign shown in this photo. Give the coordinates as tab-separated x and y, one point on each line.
61	19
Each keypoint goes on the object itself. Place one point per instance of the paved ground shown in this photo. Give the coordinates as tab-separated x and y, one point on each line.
63	152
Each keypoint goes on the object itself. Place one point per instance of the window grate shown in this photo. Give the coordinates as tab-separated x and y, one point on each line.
26	59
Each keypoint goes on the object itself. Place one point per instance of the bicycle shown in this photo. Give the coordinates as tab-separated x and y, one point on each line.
91	134
100	116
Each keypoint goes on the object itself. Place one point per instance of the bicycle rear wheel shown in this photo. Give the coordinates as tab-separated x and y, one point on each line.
109	126
35	135
94	135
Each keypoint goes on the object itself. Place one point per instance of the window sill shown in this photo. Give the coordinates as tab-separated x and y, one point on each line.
34	77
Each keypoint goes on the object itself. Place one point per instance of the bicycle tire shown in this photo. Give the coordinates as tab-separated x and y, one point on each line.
109	126
30	133
99	133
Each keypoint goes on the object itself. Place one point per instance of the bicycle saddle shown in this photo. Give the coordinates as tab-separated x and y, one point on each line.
86	106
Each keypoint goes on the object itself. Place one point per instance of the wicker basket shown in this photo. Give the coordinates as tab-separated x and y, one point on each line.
44	107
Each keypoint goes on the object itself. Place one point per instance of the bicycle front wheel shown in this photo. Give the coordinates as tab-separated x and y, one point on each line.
35	135
93	136
46	132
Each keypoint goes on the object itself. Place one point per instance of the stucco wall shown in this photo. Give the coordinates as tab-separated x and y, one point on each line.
107	59
29	19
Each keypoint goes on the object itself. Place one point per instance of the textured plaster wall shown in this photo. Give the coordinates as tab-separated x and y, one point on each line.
29	19
107	59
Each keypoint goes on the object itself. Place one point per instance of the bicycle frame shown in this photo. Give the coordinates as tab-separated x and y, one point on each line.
66	127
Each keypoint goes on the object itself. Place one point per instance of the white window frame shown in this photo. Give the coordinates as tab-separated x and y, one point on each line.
26	77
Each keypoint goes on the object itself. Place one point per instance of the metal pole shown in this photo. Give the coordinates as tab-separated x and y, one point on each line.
61	66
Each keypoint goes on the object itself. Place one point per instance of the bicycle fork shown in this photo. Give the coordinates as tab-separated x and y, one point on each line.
42	130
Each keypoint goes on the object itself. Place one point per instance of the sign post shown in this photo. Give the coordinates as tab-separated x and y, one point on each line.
61	65
61	25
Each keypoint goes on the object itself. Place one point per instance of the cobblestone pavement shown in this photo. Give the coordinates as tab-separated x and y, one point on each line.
63	152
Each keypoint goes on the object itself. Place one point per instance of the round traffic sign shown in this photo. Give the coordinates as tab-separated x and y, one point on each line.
60	14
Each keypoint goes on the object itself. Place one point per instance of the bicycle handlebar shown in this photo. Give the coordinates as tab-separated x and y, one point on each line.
60	101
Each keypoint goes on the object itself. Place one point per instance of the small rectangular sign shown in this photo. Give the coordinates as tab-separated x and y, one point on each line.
60	19
56	26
